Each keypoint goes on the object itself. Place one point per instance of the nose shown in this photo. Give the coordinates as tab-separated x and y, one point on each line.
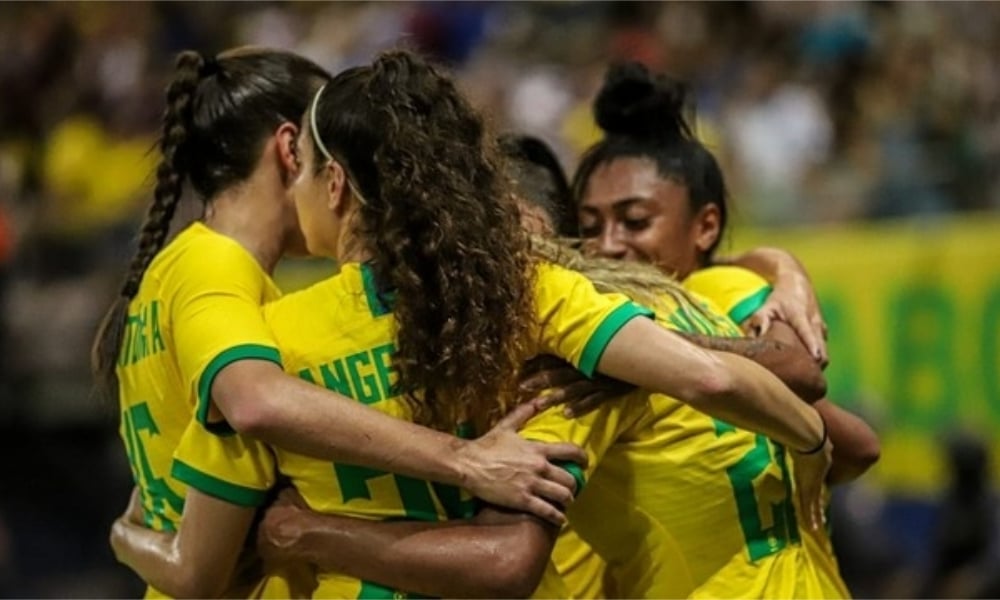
609	245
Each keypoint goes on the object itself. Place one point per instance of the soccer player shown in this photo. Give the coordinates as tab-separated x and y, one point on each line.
187	328
437	304
651	192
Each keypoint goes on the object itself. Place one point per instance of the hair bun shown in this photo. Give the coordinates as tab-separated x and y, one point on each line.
634	102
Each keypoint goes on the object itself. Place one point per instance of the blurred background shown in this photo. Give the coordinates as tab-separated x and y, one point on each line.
864	137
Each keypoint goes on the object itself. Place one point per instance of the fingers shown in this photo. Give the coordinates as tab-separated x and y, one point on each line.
809	336
549	378
565	452
552	492
757	324
516	418
561	477
585	405
543	510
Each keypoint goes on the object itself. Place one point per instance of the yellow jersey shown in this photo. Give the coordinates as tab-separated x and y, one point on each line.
741	293
673	496
198	306
340	333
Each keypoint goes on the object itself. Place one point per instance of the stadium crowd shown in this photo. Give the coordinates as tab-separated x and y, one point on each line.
821	112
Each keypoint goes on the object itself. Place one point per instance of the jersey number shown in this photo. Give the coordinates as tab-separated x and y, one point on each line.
763	538
415	494
155	491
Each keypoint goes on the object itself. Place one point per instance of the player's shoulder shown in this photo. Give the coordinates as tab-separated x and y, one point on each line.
707	280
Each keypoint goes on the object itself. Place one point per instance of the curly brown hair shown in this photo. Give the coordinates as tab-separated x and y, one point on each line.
442	230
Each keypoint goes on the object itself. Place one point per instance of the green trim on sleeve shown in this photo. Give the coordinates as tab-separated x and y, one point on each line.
221	361
749	305
599	340
217	488
573	469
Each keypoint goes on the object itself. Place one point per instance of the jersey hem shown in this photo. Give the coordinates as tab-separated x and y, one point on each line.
215	487
599	340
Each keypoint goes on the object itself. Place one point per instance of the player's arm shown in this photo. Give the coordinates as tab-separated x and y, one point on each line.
195	562
856	446
780	352
497	554
793	300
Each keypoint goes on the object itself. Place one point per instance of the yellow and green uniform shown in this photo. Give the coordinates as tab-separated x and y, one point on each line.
673	496
198	308
740	293
340	333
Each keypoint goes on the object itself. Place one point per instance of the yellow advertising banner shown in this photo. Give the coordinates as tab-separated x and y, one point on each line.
914	315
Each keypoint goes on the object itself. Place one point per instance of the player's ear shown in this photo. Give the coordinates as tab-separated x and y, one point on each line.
337	189
706	226
288	154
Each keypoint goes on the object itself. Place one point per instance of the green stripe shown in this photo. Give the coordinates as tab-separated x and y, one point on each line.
376	305
573	469
221	361
749	305
615	320
217	488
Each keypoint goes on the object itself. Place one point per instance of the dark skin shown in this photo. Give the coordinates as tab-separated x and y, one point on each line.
629	211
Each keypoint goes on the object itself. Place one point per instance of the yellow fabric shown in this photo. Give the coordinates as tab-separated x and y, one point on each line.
156	399
340	334
581	568
743	291
672	496
737	291
574	321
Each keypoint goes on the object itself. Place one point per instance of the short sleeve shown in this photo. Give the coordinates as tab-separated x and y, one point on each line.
594	432
217	292
576	322
737	291
233	468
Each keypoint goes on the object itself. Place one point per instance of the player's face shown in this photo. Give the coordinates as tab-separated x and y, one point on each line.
311	193
630	212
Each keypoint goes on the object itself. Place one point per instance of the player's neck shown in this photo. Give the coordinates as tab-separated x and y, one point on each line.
254	220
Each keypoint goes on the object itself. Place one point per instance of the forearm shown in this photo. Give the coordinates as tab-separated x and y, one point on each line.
725	386
794	368
855	444
308	419
451	559
152	555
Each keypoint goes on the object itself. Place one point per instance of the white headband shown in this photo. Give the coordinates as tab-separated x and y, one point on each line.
312	124
322	147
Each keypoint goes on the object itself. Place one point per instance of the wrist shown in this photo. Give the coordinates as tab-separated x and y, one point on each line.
824	438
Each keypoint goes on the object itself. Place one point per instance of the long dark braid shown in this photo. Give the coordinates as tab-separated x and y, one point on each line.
170	175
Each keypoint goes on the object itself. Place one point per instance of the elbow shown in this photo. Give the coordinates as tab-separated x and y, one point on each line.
514	575
518	564
245	408
714	386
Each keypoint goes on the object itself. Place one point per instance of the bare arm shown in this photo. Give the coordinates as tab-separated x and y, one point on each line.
855	444
495	555
784	357
258	399
197	561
